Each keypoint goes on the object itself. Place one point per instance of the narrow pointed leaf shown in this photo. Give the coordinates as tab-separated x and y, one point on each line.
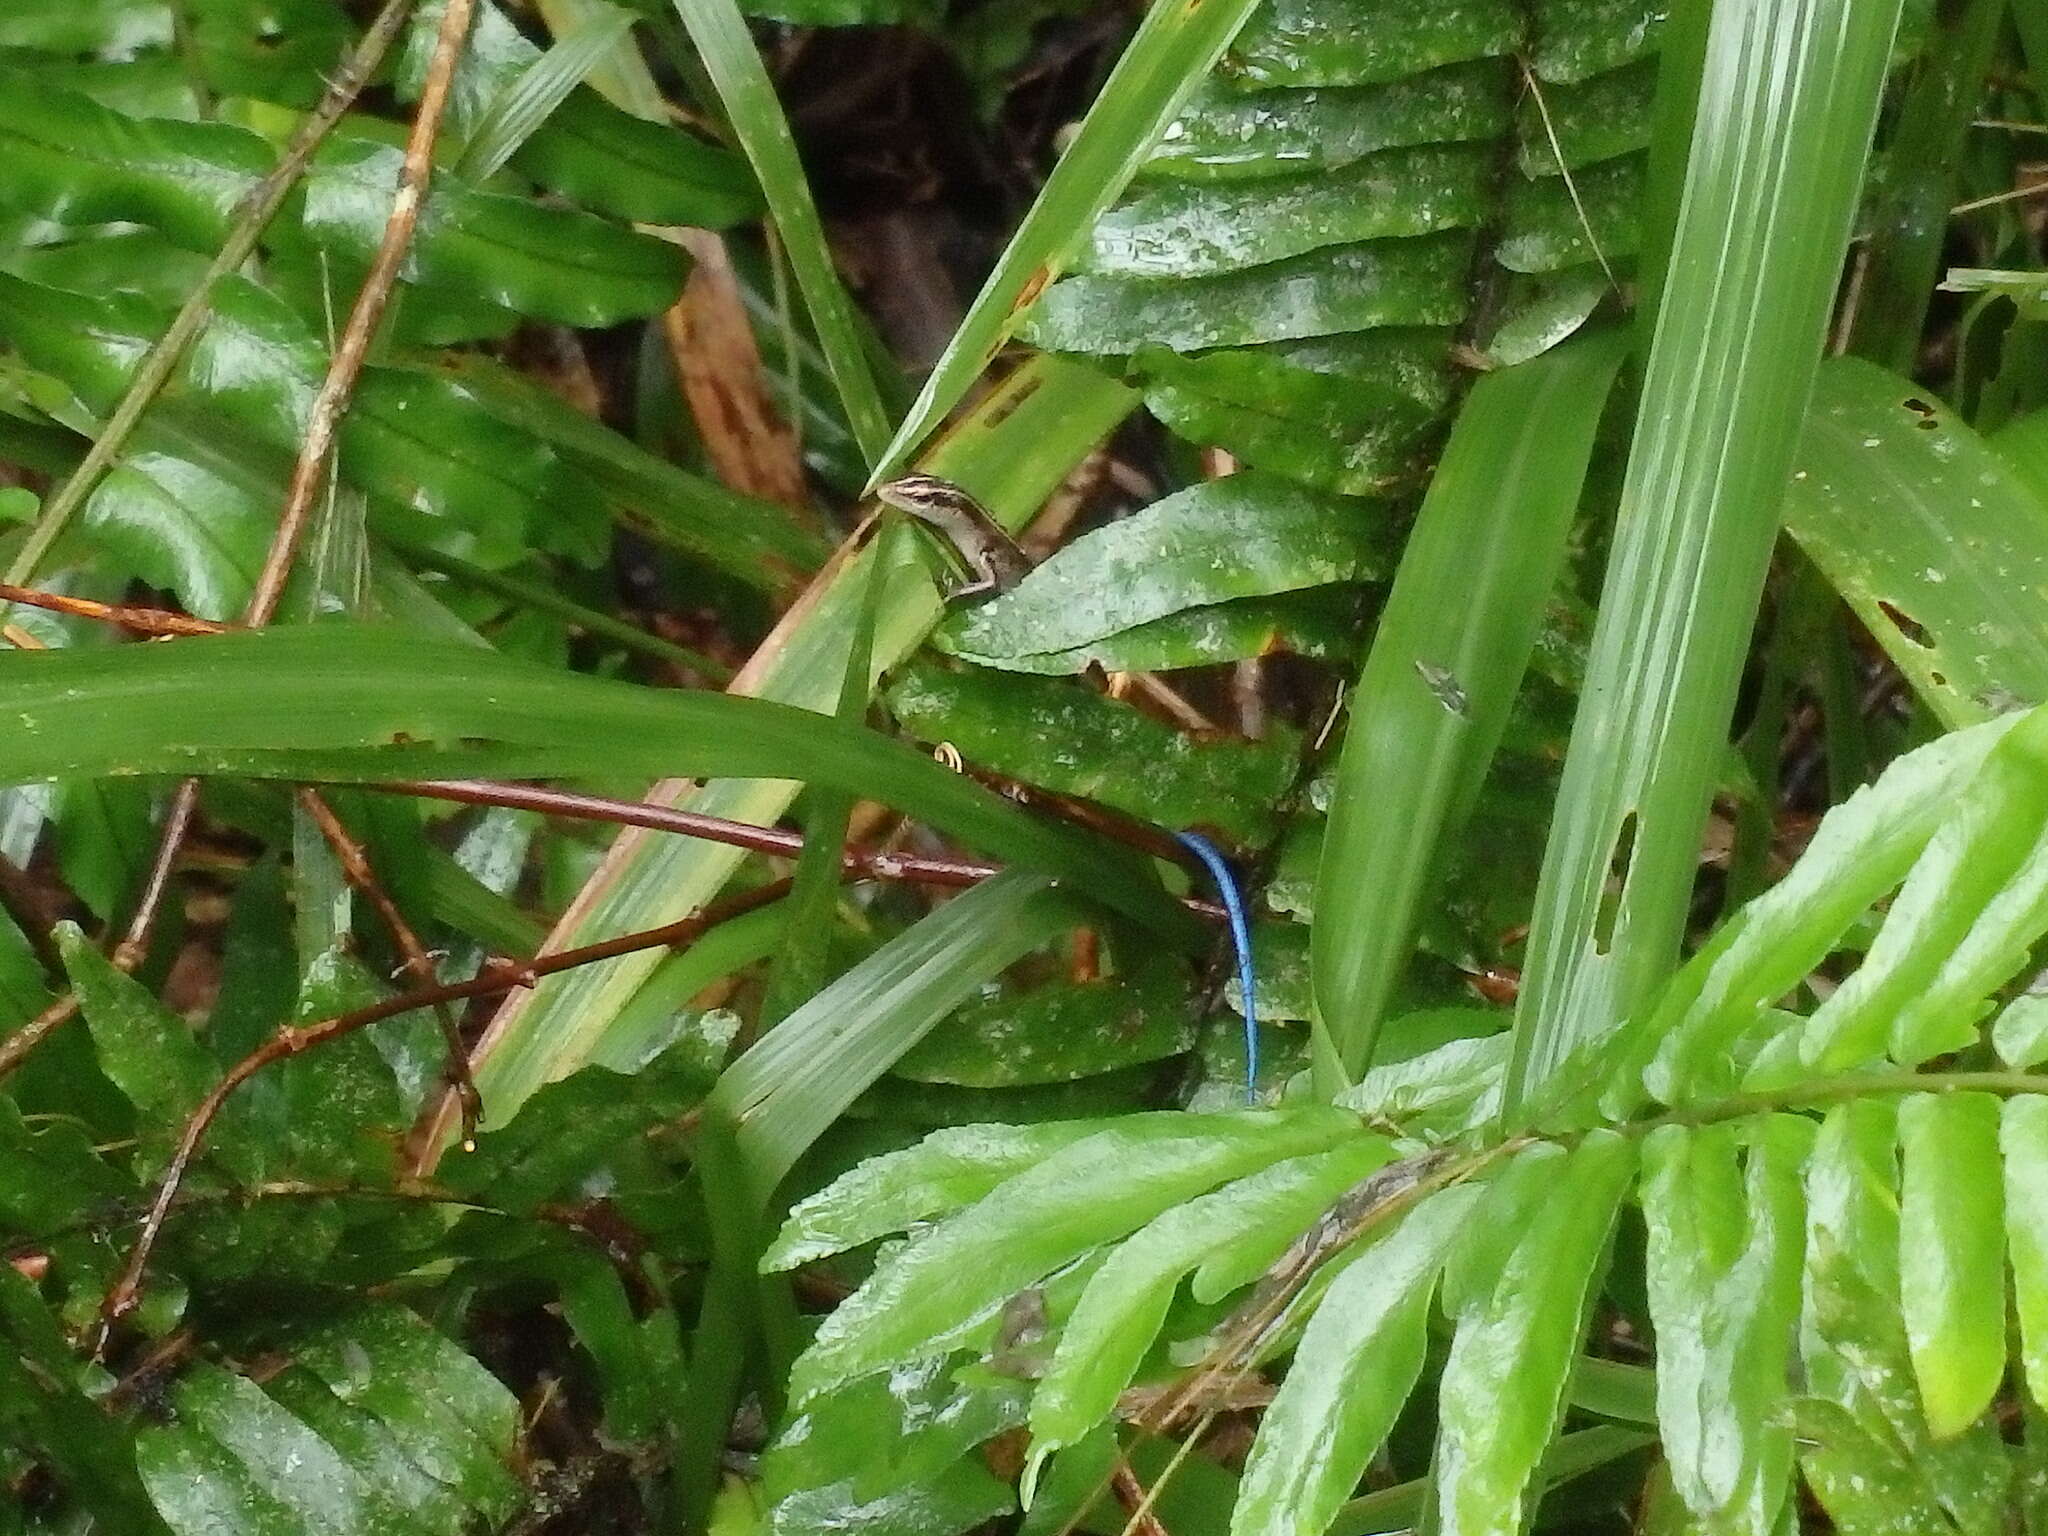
1466	604
1126	1300
789	1087
1786	106
1723	1272
2023	1137
1951	1258
1353	1370
1503	1385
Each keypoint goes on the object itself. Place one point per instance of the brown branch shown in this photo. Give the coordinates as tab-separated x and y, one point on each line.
324	418
295	1039
144	621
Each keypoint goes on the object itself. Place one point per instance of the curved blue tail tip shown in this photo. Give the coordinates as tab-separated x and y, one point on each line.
1241	940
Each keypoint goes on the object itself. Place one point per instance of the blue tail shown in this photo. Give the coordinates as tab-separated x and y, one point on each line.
1241	940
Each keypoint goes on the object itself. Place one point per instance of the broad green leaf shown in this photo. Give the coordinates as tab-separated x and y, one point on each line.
1951	1259
298	1481
1862	849
1352	1372
940	1174
1723	1273
895	1455
551	263
2023	1137
1934	539
1583	38
301	703
1852	1341
1351	414
2020	1032
801	1075
1341	288
1782	129
1317	621
1922	986
1222	133
1863	1481
733	63
1061	1030
1197	230
1553	226
1607	116
1356	42
1062	737
1010	452
147	1051
1246	535
1446	663
1173	48
72	160
374	1455
1503	1385
928	1294
450	1414
1125	1303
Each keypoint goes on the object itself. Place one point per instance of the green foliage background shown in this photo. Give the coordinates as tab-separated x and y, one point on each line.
1490	346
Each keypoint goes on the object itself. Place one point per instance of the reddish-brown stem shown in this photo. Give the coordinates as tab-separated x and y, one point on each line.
144	621
857	863
295	1039
355	865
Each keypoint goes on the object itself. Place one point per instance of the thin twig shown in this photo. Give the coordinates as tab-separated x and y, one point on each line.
252	218
144	621
857	863
295	1039
324	418
355	866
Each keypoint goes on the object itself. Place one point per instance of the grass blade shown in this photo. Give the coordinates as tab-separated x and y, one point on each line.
518	110
1787	101
1467	601
1174	48
734	64
793	1084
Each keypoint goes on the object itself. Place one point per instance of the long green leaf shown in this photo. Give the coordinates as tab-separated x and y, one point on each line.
1723	1273
1504	1383
1016	447
790	1086
1174	47
308	702
748	95
1951	1254
1786	106
1460	624
2023	1140
1126	1300
1353	1370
